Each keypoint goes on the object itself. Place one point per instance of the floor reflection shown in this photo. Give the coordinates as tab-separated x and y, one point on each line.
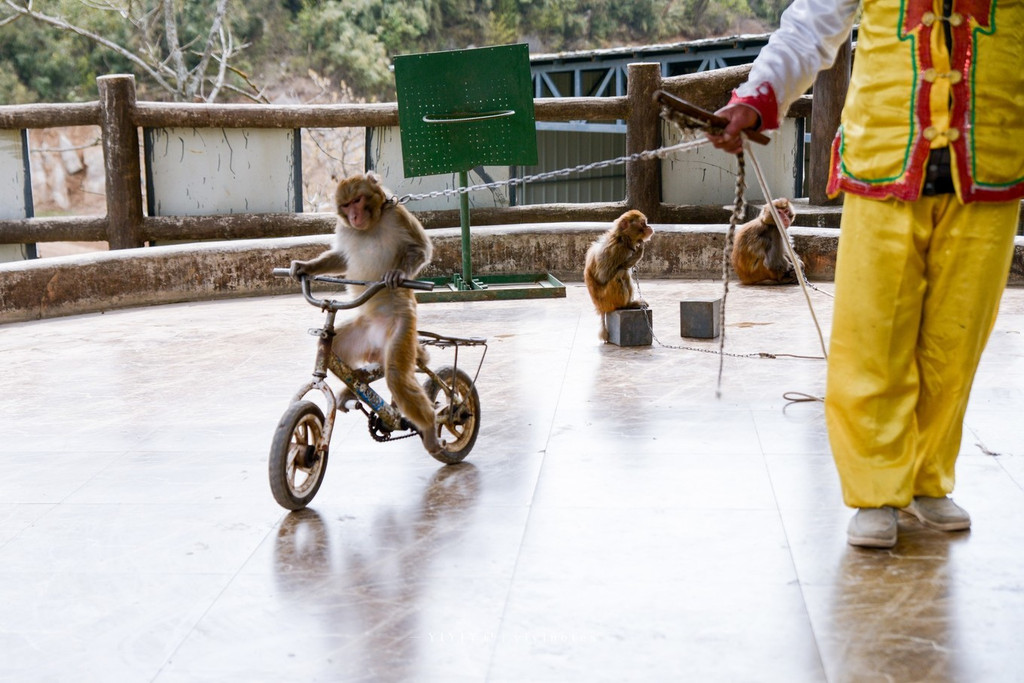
373	584
892	611
616	521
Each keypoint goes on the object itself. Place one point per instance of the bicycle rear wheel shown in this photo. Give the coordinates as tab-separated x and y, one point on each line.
457	414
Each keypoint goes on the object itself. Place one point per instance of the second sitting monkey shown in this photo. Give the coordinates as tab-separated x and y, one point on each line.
606	270
758	254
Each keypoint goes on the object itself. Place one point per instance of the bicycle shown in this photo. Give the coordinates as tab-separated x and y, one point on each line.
299	449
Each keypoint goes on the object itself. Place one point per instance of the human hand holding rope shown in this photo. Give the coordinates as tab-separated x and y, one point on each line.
741	118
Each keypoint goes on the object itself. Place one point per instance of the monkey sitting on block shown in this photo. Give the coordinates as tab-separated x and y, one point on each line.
377	239
758	254
606	270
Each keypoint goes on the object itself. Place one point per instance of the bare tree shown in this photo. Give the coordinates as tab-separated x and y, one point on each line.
160	54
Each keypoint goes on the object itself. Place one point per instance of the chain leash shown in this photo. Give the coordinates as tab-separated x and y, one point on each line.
787	244
766	355
686	124
646	155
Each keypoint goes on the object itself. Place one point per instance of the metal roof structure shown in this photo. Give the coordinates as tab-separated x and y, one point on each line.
602	73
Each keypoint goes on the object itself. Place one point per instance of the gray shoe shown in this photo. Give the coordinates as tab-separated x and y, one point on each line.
873	528
939	513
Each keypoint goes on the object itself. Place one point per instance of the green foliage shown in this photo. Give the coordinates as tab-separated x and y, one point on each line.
339	39
402	25
55	64
501	29
12	90
49	67
768	11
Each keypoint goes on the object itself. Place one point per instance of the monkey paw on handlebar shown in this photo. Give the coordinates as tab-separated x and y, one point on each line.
372	287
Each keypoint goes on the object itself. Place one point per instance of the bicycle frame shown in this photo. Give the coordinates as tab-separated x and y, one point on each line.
358	380
301	442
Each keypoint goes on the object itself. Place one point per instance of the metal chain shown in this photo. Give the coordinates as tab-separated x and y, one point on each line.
811	285
646	155
685	125
381	435
680	347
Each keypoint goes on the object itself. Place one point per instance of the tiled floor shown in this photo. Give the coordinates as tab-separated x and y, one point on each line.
615	522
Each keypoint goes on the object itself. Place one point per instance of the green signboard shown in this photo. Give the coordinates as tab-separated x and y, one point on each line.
465	108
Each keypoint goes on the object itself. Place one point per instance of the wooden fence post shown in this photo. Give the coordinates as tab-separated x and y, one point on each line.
643	132
121	161
830	88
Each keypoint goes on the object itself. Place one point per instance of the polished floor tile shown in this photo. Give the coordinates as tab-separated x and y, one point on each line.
658	513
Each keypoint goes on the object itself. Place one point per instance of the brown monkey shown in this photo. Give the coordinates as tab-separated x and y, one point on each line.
377	239
758	254
606	270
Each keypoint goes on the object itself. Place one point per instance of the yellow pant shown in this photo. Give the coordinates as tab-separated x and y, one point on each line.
917	291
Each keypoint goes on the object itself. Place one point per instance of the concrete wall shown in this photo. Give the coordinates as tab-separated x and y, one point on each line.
102	281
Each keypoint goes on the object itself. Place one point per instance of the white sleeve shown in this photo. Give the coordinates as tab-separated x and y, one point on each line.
806	42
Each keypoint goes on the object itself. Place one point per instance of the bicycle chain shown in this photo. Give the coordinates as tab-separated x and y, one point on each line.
374	424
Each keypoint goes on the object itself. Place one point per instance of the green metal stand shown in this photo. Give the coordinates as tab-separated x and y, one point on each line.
466	287
460	109
467	256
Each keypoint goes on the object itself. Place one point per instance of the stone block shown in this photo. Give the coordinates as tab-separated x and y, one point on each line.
700	318
630	326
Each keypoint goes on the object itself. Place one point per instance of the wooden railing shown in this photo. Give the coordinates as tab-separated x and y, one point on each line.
119	117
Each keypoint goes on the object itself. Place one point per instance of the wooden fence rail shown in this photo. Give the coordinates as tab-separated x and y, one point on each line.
120	117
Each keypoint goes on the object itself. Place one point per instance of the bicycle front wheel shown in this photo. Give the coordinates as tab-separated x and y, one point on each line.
296	469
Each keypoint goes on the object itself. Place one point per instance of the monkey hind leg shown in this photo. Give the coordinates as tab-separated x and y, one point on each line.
408	395
414	404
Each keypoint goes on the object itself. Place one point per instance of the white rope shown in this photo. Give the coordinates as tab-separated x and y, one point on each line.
730	236
646	155
785	239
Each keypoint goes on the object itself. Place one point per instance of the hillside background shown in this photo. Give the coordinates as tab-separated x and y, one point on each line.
301	49
289	52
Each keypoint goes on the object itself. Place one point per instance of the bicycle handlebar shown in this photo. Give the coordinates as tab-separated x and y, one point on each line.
372	287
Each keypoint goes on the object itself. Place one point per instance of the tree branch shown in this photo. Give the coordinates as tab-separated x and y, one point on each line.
27	11
199	71
175	55
226	43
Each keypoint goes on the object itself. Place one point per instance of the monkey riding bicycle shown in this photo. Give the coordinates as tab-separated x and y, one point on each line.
298	452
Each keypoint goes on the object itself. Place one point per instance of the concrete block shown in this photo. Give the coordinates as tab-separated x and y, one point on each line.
630	326
700	318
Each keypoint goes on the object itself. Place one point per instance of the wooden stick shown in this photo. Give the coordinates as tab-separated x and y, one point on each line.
695	112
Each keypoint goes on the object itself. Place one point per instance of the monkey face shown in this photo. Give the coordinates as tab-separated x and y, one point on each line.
785	209
645	231
356	212
359	199
633	226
